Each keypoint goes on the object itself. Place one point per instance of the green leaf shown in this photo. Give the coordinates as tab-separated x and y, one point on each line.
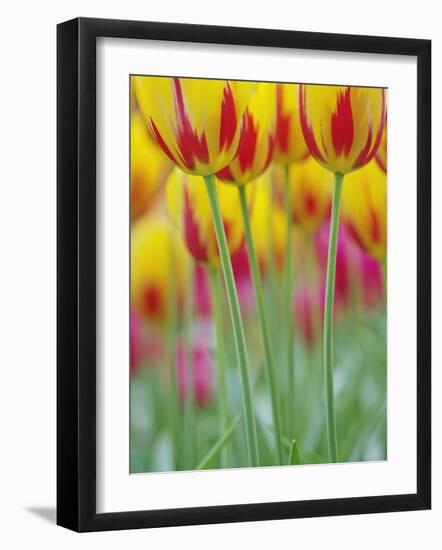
294	457
215	450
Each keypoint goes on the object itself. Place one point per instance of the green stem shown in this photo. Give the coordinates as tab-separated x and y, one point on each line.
171	360
238	330
328	319
273	296
220	360
190	401
265	333
288	316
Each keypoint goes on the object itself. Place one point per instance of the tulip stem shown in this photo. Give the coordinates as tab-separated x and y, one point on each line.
265	333
237	325
190	368
288	316
328	319
217	307
171	343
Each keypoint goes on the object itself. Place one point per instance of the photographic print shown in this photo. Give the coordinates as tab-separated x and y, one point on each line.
258	306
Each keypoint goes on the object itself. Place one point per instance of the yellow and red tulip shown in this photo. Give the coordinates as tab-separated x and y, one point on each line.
189	208
195	121
268	225
290	145
257	138
149	167
158	261
342	125
364	208
310	187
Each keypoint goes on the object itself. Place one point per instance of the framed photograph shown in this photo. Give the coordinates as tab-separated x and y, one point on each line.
244	274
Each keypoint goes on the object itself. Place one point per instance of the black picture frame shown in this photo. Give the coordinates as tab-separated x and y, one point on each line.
77	287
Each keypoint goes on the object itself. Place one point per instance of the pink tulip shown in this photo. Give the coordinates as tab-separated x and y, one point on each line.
352	263
243	279
136	342
202	372
372	285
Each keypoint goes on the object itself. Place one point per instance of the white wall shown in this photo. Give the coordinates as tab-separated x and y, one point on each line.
27	273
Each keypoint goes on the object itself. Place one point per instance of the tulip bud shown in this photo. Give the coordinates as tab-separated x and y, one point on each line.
159	263
310	187
243	280
342	125
268	224
149	168
364	208
257	138
189	207
290	144
195	121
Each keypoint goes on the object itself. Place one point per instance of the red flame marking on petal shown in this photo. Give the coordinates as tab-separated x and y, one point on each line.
282	123
247	142
228	119
306	128
191	145
226	174
159	139
196	247
342	128
310	203
153	301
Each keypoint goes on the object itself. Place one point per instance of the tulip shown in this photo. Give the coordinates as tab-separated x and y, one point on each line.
257	138
290	144
195	121
342	125
159	262
268	225
309	192
189	208
202	375
136	342
351	263
364	206
243	280
290	148
149	167
372	285
381	155
255	152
